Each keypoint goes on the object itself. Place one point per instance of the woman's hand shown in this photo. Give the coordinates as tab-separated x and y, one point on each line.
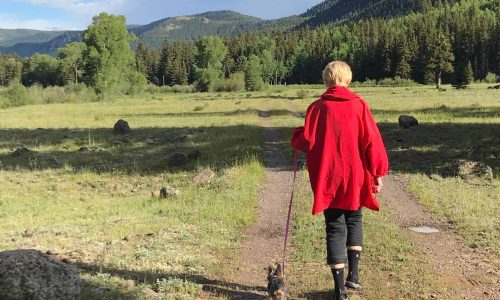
377	185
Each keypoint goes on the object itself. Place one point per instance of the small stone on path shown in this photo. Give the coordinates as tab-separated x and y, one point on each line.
424	229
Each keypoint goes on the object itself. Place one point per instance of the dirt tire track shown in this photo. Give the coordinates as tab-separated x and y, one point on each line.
464	273
264	240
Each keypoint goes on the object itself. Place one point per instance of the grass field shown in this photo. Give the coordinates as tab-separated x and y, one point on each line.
84	193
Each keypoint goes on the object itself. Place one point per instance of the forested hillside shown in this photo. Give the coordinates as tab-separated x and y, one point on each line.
11	37
188	28
342	11
450	42
50	47
441	42
223	23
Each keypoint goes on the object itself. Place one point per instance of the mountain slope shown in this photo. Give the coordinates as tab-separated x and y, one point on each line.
191	27
341	11
10	37
225	23
50	47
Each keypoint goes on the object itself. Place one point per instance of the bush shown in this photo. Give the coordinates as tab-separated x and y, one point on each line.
235	83
396	81
302	94
137	83
182	89
491	78
17	95
206	79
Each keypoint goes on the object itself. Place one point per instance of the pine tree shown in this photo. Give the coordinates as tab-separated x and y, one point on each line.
440	57
403	66
463	76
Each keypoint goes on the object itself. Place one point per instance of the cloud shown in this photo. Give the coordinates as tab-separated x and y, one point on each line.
8	21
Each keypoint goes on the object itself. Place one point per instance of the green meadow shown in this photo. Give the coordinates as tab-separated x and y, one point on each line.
83	193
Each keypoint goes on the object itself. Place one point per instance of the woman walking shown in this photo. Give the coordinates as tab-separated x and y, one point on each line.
346	159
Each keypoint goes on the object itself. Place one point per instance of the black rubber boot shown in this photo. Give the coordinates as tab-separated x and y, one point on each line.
338	278
352	281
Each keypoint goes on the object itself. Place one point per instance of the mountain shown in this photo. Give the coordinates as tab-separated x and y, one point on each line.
341	11
10	37
191	27
50	47
223	22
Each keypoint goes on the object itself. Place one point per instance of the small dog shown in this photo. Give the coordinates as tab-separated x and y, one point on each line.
276	285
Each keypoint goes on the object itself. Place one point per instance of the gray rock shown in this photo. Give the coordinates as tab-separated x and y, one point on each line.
204	177
21	151
121	127
30	274
407	121
472	171
176	160
168	192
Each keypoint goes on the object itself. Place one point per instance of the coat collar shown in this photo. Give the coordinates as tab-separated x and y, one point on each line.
337	93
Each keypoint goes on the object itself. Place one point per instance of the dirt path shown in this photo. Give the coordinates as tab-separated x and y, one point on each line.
464	273
264	241
459	272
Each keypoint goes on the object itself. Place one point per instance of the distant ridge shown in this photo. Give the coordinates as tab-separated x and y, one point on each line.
223	23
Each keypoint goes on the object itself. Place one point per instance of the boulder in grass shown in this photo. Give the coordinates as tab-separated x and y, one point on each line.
169	192
177	160
473	171
22	151
30	274
121	127
407	121
204	177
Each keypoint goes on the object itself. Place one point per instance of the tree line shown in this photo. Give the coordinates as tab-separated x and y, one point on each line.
453	43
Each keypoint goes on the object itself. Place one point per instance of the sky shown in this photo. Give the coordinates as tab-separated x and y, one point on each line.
77	14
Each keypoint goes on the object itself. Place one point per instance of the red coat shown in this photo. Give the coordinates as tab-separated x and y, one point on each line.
344	151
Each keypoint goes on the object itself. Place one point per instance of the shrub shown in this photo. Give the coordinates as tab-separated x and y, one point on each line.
17	95
182	89
396	81
302	94
490	78
137	83
206	79
235	83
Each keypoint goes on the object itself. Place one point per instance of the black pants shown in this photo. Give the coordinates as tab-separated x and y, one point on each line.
343	228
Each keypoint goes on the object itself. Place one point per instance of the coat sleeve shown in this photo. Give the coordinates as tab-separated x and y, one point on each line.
375	154
299	142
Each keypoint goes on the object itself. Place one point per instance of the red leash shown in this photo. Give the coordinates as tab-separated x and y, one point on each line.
287	230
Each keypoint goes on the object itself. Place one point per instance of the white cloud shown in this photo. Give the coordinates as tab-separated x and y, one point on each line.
8	21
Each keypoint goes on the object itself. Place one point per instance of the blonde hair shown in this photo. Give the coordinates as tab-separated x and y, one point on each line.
337	73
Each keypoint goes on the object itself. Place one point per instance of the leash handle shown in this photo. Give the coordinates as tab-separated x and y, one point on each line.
289	218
